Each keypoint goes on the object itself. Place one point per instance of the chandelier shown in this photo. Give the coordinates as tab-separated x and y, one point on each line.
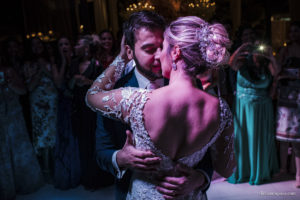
136	7
202	8
46	36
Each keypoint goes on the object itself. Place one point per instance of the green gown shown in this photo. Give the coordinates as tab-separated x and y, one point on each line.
254	144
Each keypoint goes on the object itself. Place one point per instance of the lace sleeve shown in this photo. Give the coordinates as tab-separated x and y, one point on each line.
101	96
107	79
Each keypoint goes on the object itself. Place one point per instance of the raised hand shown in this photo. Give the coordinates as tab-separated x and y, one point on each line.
238	58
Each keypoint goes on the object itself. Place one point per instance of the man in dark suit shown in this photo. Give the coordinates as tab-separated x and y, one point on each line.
114	150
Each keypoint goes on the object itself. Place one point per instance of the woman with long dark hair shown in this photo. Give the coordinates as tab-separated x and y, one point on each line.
107	51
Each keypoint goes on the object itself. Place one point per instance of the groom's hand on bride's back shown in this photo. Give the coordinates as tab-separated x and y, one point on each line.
130	157
183	183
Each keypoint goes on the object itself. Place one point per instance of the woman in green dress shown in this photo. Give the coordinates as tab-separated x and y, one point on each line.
255	148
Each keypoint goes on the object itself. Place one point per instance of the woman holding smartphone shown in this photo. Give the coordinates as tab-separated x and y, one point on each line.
254	144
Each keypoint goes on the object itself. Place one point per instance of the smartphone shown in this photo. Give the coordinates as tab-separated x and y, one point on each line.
260	48
2	78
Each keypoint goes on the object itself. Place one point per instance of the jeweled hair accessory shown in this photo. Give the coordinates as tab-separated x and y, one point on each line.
212	52
202	35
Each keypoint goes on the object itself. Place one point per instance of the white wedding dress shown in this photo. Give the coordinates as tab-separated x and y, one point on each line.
126	104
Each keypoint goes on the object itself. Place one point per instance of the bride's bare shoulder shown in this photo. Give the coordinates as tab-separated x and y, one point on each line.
211	104
176	100
210	100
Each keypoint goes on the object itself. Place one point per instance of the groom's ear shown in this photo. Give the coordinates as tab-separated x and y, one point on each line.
176	53
129	52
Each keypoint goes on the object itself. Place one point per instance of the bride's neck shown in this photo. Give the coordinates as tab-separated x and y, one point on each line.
181	77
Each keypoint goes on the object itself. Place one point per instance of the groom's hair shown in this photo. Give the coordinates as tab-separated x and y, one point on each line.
143	19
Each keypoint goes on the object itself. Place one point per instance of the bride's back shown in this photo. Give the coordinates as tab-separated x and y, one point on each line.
182	120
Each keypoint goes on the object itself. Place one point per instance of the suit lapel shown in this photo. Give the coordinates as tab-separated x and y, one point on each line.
132	82
128	80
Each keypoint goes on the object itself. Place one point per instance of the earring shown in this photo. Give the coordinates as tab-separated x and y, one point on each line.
174	66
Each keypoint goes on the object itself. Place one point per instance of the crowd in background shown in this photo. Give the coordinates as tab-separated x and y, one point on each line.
47	133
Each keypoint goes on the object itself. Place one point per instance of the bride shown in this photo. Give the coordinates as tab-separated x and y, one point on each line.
177	122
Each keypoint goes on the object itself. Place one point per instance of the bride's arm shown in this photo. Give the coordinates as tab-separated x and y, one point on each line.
101	96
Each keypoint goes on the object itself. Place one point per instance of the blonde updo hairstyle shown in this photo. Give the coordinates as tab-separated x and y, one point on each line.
203	46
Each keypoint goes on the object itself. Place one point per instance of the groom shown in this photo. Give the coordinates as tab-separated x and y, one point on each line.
114	151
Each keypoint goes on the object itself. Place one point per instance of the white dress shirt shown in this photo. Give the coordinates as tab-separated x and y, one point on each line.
145	83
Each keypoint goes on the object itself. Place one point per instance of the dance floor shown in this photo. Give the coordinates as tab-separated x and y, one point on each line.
280	189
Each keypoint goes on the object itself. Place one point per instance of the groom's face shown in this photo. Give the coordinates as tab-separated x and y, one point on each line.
147	45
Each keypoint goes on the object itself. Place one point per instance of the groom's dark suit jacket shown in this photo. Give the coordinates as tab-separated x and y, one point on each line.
111	136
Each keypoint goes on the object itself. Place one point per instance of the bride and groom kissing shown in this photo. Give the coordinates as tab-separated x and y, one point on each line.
180	134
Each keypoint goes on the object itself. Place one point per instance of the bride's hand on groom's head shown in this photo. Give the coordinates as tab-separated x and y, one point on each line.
182	182
130	157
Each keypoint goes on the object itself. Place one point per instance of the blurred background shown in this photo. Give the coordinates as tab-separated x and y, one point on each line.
49	19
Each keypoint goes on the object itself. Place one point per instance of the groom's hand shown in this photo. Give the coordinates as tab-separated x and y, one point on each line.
130	157
187	180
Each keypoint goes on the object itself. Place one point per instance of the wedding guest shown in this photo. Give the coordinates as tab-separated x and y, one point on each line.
67	163
84	69
51	51
288	102
20	172
43	102
244	34
107	52
12	51
12	54
254	144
